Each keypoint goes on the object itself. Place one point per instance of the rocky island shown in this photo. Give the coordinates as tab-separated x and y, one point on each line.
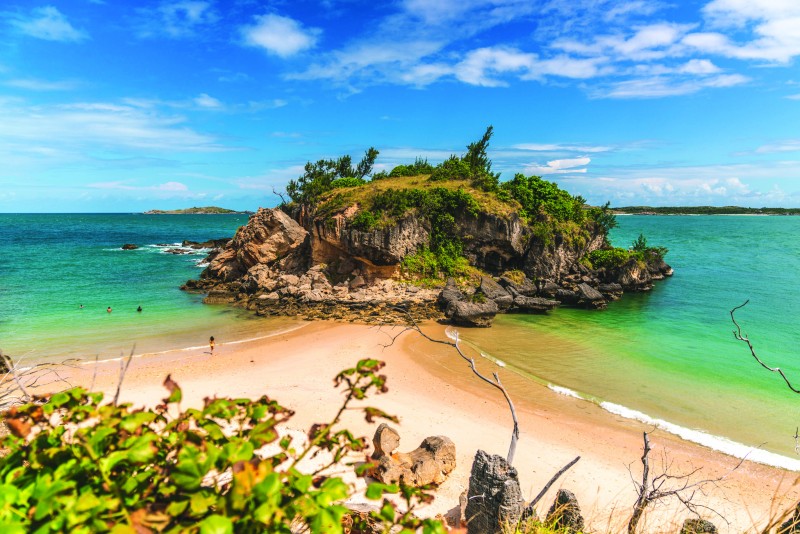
449	241
208	210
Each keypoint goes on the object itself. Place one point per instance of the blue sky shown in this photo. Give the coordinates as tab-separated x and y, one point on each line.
127	106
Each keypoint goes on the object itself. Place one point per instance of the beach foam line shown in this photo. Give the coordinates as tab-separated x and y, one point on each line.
565	391
198	347
717	443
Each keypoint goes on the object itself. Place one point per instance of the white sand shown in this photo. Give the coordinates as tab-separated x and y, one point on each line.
434	393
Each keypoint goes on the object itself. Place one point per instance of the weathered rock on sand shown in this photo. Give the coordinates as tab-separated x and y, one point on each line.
430	463
565	514
309	267
494	497
700	526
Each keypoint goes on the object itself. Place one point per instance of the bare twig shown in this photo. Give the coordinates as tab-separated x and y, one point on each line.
123	368
743	338
667	485
550	483
471	361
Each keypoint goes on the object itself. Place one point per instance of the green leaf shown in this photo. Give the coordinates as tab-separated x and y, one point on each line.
387	512
216	524
87	501
325	522
200	503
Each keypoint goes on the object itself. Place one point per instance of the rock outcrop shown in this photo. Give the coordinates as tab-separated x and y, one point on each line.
565	514
322	267
699	526
430	463
129	246
494	498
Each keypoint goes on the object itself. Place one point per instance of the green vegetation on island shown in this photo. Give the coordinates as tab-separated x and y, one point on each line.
460	187
208	210
703	210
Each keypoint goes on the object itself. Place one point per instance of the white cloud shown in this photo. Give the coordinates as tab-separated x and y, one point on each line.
479	66
698	66
559	166
176	19
174	187
99	125
545	147
209	102
48	23
790	145
774	26
661	86
32	84
281	36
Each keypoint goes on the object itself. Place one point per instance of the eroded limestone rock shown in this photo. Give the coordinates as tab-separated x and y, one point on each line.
430	463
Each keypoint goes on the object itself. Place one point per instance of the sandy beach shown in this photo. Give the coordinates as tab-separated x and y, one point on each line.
433	392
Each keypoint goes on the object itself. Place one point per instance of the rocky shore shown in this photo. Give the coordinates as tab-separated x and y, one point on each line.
300	265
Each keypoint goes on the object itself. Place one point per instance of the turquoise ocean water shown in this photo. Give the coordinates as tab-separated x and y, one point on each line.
53	263
667	357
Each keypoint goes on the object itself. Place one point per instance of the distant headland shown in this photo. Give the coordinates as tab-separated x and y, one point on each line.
702	210
208	210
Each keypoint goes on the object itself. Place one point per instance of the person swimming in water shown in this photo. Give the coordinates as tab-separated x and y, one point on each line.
108	309
139	309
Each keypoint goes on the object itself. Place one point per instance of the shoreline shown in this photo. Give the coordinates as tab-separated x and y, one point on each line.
434	392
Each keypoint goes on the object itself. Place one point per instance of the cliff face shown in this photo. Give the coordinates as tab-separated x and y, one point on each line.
324	267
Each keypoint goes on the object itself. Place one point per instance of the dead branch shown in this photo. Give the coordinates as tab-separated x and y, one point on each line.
123	368
471	361
17	382
743	338
667	485
529	509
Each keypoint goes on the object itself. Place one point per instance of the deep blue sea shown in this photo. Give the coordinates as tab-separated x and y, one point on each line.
667	357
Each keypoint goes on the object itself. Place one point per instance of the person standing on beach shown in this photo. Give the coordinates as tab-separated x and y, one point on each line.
211	344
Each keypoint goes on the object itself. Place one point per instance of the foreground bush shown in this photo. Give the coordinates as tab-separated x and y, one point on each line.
75	464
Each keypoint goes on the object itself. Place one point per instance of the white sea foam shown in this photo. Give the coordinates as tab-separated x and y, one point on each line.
717	443
565	391
451	333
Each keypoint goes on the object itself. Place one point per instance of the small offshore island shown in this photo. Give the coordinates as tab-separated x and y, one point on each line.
208	210
702	210
371	250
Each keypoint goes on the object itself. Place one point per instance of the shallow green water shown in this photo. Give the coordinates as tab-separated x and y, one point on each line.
667	357
670	353
53	263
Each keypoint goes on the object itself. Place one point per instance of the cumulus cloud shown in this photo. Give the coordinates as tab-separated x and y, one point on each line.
209	102
559	166
48	23
280	36
773	25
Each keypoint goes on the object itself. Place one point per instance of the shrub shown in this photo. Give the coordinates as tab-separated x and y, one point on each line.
540	196
349	181
420	166
74	464
609	258
366	220
319	177
453	168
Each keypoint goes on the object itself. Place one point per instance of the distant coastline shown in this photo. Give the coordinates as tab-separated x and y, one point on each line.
702	210
208	210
